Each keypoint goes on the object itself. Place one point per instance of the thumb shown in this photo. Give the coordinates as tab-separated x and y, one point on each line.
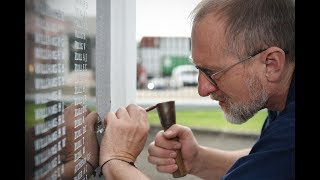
173	131
178	131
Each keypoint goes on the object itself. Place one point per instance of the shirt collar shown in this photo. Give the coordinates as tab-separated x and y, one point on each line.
291	93
272	115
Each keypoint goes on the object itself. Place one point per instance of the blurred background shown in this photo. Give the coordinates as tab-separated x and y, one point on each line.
164	71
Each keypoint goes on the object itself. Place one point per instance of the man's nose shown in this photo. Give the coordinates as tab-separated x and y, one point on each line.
205	87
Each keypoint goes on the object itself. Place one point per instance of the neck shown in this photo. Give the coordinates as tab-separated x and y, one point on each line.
279	92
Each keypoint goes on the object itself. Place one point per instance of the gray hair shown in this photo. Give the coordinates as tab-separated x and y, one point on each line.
253	25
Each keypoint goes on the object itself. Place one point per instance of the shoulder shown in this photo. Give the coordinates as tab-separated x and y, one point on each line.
279	134
273	152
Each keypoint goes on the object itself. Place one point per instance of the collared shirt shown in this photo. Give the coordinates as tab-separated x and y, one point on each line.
273	155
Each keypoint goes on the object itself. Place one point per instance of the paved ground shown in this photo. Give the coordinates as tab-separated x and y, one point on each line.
208	138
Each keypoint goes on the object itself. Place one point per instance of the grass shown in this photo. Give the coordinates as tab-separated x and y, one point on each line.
213	119
206	119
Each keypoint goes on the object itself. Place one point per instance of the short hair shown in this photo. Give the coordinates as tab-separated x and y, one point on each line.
253	25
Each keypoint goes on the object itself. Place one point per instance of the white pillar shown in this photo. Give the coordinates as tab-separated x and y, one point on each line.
116	54
123	53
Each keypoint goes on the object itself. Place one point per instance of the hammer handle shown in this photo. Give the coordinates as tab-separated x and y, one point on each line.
181	171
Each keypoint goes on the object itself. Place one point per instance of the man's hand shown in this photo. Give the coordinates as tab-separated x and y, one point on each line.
125	134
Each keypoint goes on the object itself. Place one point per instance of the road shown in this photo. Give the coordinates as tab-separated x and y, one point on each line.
207	138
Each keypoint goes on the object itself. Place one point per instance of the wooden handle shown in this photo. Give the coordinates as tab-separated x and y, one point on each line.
167	116
181	168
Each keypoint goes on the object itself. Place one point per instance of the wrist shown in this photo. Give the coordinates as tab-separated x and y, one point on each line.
114	160
122	158
198	161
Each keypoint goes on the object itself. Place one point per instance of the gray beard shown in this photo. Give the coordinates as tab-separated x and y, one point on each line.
241	112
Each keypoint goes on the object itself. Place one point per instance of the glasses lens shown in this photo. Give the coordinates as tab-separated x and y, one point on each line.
208	77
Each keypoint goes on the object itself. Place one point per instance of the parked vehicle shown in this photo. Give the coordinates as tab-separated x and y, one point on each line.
158	83
184	75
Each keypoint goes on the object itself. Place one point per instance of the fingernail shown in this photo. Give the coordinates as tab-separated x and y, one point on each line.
173	154
168	132
174	166
172	161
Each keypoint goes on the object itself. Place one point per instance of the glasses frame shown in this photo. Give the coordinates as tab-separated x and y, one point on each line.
210	76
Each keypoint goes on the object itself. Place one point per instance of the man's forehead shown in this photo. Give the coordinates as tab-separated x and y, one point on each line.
208	36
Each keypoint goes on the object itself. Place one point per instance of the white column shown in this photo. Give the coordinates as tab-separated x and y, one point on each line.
123	53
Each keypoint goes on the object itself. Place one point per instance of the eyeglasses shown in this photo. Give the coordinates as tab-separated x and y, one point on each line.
210	75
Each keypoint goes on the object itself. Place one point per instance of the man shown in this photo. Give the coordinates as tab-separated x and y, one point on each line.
245	51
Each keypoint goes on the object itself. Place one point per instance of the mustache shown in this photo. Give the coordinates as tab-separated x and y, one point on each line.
218	98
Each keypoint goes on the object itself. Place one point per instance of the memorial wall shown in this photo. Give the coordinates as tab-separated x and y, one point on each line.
60	89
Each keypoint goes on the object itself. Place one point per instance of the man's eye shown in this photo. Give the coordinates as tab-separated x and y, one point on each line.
209	72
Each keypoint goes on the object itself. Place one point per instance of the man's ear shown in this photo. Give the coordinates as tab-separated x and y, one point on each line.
275	60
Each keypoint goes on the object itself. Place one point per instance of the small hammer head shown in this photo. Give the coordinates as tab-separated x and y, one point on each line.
167	114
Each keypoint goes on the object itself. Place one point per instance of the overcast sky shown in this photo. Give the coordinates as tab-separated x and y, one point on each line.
153	17
163	17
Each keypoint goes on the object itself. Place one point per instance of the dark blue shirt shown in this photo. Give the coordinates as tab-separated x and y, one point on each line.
273	155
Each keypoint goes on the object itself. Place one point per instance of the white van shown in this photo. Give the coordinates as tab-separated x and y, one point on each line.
184	75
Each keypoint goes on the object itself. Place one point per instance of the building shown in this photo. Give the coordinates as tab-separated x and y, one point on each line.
159	55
